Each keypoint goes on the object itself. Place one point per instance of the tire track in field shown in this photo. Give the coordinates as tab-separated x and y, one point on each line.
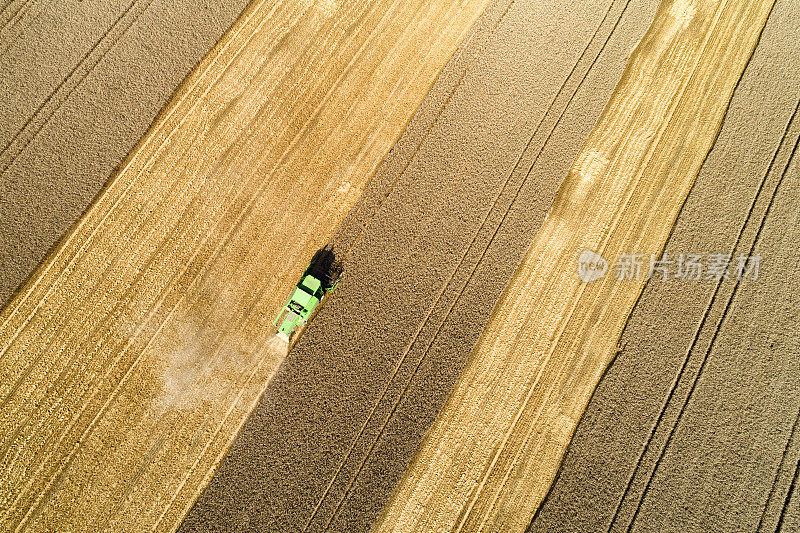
45	111
32	10
11	18
793	435
197	275
706	314
371	215
717	329
6	18
466	253
788	499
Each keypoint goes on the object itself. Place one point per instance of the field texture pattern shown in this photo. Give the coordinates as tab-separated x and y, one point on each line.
130	360
82	82
695	426
490	457
438	234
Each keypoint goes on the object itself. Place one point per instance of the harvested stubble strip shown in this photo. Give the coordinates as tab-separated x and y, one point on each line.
130	360
490	457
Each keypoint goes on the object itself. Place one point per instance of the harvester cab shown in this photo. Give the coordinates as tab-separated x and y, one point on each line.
320	277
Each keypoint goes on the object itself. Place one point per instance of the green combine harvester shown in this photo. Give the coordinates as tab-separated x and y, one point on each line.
320	277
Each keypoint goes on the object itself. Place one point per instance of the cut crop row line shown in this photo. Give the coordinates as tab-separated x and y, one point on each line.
472	244
45	111
679	378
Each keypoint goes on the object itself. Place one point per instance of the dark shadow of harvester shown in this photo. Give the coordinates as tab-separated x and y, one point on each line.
320	277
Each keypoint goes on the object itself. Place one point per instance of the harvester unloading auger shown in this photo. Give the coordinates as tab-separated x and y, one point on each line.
320	277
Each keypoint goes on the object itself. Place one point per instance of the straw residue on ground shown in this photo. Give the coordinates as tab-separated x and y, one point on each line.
339	423
490	457
131	358
695	426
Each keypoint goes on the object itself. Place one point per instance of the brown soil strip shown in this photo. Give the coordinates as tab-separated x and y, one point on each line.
130	360
82	83
343	416
490	457
695	428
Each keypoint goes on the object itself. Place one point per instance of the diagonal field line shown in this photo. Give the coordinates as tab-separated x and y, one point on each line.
12	19
236	225
705	317
426	318
717	329
788	499
792	437
7	7
84	60
638	298
159	127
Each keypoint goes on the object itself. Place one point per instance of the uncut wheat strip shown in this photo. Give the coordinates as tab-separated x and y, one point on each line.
488	460
135	307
